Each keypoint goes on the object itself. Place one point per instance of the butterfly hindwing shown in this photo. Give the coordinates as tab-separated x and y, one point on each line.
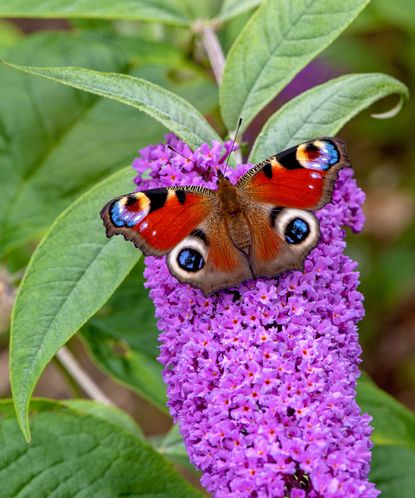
281	238
157	220
207	258
279	194
301	177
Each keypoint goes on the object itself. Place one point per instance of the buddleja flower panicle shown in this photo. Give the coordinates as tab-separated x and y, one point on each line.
262	378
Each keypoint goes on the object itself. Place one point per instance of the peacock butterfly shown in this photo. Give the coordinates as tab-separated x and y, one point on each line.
260	227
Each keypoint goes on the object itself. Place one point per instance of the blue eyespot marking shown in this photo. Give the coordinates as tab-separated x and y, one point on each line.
296	231
332	153
321	157
190	260
122	218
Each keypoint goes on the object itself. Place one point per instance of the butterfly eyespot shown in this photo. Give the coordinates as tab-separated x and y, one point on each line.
296	231
190	260
296	227
318	155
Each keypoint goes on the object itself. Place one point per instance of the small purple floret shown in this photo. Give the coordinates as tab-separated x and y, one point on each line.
262	378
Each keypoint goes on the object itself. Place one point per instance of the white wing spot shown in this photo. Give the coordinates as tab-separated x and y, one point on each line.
144	226
315	175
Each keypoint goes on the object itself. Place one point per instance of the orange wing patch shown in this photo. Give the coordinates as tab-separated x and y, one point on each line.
164	228
301	188
222	254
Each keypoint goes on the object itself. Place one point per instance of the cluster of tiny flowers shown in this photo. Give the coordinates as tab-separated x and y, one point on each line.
261	378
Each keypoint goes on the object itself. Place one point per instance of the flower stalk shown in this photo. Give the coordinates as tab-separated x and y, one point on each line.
262	378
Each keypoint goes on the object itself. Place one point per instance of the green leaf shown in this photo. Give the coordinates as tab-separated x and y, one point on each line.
172	447
165	11
111	414
184	79
170	110
122	338
47	156
323	111
75	452
9	35
233	8
277	42
394	425
71	275
41	146
393	459
399	12
202	9
393	471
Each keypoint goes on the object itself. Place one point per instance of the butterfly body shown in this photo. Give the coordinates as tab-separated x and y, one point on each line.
259	227
232	208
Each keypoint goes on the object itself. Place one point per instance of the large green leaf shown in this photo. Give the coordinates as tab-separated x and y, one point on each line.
174	112
42	128
174	12
9	35
56	142
172	446
393	471
201	9
109	413
233	8
400	12
322	111
78	452
394	425
277	42
393	461
122	338
71	275
166	11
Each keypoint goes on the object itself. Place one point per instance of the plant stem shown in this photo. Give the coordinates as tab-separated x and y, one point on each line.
216	58
213	51
76	390
81	377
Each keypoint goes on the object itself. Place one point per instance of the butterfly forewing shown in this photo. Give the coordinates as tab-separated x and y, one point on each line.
157	220
300	177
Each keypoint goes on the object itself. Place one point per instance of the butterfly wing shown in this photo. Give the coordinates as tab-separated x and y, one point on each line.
186	224
207	258
157	220
279	193
281	238
300	177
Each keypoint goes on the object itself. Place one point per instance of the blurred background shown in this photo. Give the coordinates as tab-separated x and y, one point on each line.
382	153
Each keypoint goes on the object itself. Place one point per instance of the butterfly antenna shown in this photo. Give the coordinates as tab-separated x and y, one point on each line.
233	144
177	152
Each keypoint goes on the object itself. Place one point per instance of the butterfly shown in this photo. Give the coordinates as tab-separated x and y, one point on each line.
260	227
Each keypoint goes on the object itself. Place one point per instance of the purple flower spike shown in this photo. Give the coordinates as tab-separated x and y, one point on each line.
261	378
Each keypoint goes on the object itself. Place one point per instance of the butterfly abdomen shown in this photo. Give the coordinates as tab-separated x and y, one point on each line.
230	205
239	232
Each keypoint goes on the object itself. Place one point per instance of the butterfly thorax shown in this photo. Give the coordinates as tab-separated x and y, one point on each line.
228	197
231	205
